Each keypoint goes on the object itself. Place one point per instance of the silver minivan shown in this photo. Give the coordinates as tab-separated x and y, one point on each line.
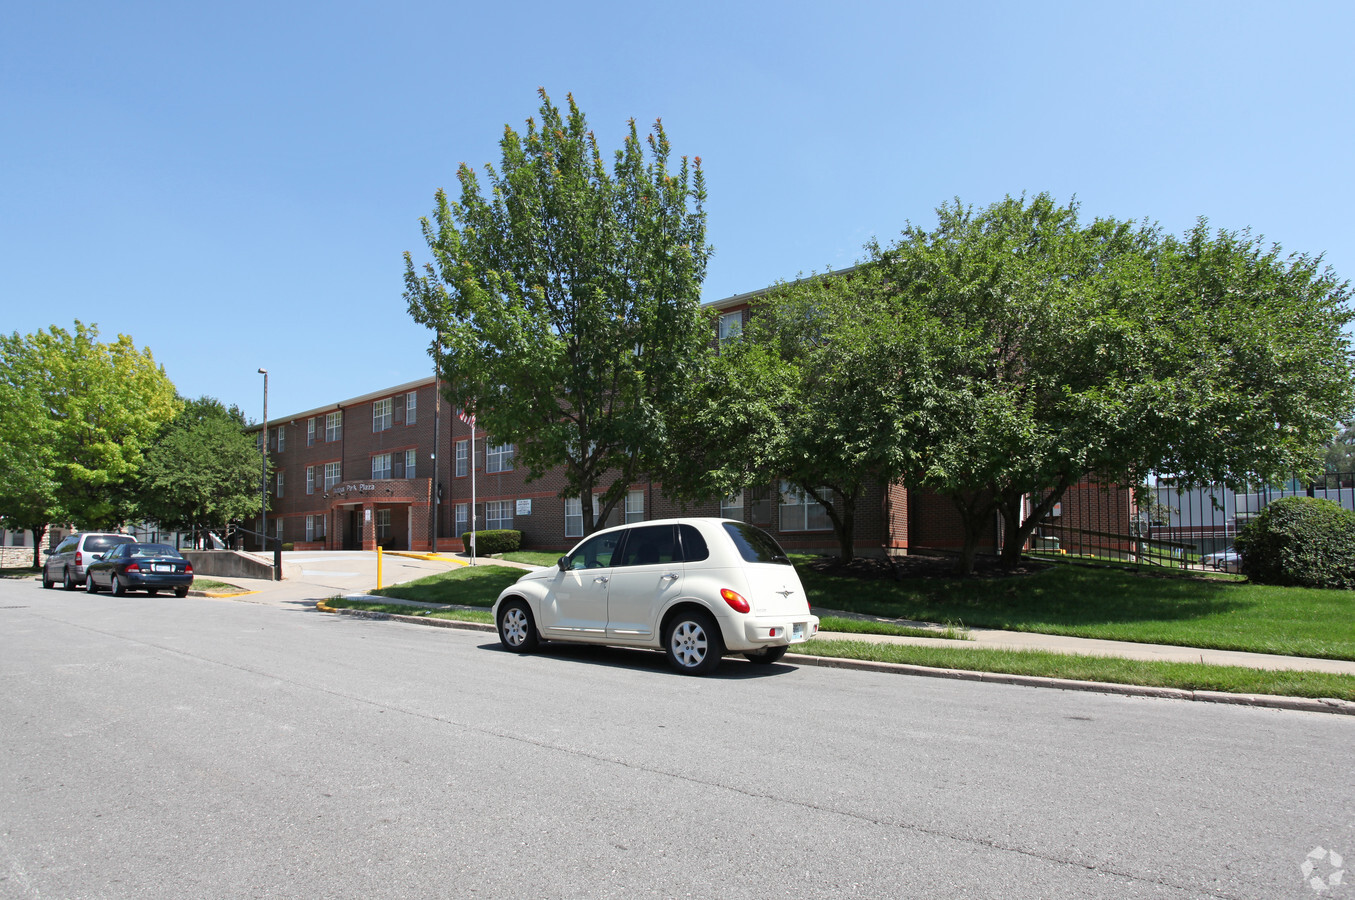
68	561
697	588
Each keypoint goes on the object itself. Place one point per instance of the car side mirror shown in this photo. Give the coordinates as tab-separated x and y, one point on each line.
563	563
97	556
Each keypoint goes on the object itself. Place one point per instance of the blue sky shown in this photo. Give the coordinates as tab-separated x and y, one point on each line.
233	185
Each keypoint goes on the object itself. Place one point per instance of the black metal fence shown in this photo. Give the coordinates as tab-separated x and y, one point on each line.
1165	524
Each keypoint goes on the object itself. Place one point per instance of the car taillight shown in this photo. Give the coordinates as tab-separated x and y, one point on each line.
735	600
133	567
188	568
78	560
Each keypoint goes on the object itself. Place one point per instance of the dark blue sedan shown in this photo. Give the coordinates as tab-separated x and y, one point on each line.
140	567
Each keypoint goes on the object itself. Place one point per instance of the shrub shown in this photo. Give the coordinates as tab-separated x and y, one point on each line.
488	543
1301	541
288	545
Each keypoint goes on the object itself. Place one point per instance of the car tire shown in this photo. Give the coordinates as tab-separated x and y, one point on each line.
90	586
517	628
117	587
67	582
181	592
692	643
766	657
47	581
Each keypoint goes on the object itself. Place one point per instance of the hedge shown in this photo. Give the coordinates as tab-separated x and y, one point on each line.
487	543
1300	541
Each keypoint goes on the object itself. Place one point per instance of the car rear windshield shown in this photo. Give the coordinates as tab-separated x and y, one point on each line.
104	541
156	550
756	545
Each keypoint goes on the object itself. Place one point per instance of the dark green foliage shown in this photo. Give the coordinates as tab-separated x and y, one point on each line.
487	543
1300	541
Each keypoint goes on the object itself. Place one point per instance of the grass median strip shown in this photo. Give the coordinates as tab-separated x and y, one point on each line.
403	609
1183	676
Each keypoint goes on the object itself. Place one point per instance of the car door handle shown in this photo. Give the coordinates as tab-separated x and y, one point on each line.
601	579
669	577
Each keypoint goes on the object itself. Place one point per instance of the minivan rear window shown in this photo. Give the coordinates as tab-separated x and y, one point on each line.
756	545
104	541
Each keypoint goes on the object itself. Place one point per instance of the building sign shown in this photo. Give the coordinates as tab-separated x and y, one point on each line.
524	507
355	488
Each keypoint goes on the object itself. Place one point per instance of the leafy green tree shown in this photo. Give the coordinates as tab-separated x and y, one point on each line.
28	490
567	297
202	472
1039	382
810	394
94	407
1340	454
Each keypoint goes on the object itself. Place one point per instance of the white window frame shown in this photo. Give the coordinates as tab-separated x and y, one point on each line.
731	326
462	459
277	491
310	431
461	519
411	407
573	517
310	479
381	466
383	414
282	438
802	512
500	512
731	507
383	523
411	463
498	458
333	474
635	506
334	426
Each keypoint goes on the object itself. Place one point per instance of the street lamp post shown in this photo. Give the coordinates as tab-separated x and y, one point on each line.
263	454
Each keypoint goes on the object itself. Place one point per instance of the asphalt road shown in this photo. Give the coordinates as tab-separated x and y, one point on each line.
199	748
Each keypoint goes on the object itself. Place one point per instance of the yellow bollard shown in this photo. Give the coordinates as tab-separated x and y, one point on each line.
378	567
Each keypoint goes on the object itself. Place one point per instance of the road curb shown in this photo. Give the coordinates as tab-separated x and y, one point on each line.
1264	701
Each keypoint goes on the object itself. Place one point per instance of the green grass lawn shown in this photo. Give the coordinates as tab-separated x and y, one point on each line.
533	557
1143	605
20	572
463	586
399	609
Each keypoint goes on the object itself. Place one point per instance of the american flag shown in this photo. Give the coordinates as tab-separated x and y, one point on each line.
466	417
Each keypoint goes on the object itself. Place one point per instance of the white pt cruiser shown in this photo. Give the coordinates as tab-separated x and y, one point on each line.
697	588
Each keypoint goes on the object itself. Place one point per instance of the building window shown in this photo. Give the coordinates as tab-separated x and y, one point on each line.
499	514
278	530
310	431
282	438
731	507
462	521
383	524
310	528
411	407
635	506
332	475
731	326
411	459
801	512
381	415
310	479
573	517
381	466
498	457
334	426
461	459
258	440
278	492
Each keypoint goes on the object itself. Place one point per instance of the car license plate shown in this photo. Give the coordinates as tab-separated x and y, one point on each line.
797	631
164	568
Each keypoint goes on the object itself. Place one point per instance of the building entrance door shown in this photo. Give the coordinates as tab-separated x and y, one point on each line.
352	535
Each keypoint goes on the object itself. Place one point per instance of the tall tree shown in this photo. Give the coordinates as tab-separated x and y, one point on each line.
99	405
202	472
812	394
28	489
568	298
1042	379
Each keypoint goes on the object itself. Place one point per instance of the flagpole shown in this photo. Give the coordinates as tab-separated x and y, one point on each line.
472	490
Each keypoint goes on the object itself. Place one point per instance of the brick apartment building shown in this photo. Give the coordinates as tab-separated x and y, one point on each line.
362	472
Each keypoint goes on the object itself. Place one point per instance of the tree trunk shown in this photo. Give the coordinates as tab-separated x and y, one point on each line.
39	532
975	511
